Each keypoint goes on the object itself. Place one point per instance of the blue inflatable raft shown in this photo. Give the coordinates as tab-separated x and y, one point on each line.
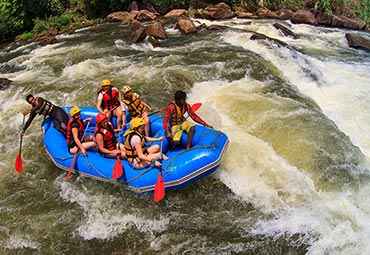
181	169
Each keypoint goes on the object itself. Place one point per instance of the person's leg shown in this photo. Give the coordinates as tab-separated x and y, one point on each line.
190	137
189	128
147	123
176	135
118	113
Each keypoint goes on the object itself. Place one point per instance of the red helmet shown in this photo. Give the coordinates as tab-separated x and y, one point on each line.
100	117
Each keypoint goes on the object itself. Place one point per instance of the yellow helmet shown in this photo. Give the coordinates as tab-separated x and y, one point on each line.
105	82
136	122
125	89
74	110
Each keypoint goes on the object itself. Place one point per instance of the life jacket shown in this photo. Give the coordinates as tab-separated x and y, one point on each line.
109	137
46	108
134	105
178	116
69	136
130	151
110	98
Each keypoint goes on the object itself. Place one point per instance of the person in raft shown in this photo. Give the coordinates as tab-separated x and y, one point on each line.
75	131
136	107
42	106
106	139
178	123
138	155
108	103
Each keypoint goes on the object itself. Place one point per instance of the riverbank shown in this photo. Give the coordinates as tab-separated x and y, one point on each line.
182	20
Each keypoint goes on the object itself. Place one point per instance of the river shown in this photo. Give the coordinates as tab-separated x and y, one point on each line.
295	178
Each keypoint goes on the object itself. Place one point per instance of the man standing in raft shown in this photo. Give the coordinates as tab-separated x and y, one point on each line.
75	133
106	139
108	103
136	107
44	107
175	115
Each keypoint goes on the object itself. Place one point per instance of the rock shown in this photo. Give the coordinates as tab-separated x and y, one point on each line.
245	15
284	14
134	6
286	31
4	83
175	13
323	18
153	41
137	32
186	26
47	37
156	30
217	27
264	13
130	17
258	36
198	4
144	15
117	16
219	11
358	42
304	16
356	23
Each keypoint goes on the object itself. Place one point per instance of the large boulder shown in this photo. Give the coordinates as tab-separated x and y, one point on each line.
144	15
286	31
219	11
265	13
355	23
117	16
4	83
186	26
156	30
358	42
258	36
175	13
137	32
304	16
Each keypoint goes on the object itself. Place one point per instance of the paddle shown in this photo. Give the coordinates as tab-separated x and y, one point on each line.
18	160
194	107
159	185
76	154
118	167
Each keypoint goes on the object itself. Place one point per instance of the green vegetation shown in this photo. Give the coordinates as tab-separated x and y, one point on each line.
31	17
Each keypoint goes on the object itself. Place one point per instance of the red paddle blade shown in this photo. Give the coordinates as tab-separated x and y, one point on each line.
18	163
196	106
159	188
117	169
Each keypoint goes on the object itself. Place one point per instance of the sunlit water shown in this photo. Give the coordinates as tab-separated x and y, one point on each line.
295	178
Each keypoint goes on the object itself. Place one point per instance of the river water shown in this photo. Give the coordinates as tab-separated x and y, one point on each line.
295	179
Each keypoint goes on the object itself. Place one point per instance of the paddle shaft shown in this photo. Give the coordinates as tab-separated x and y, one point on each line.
18	160
194	107
76	153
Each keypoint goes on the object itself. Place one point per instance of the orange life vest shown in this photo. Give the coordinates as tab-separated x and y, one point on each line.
134	105
177	117
130	151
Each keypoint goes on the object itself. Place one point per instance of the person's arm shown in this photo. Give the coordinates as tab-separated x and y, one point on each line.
147	106
77	141
152	139
28	123
166	118
195	117
98	104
